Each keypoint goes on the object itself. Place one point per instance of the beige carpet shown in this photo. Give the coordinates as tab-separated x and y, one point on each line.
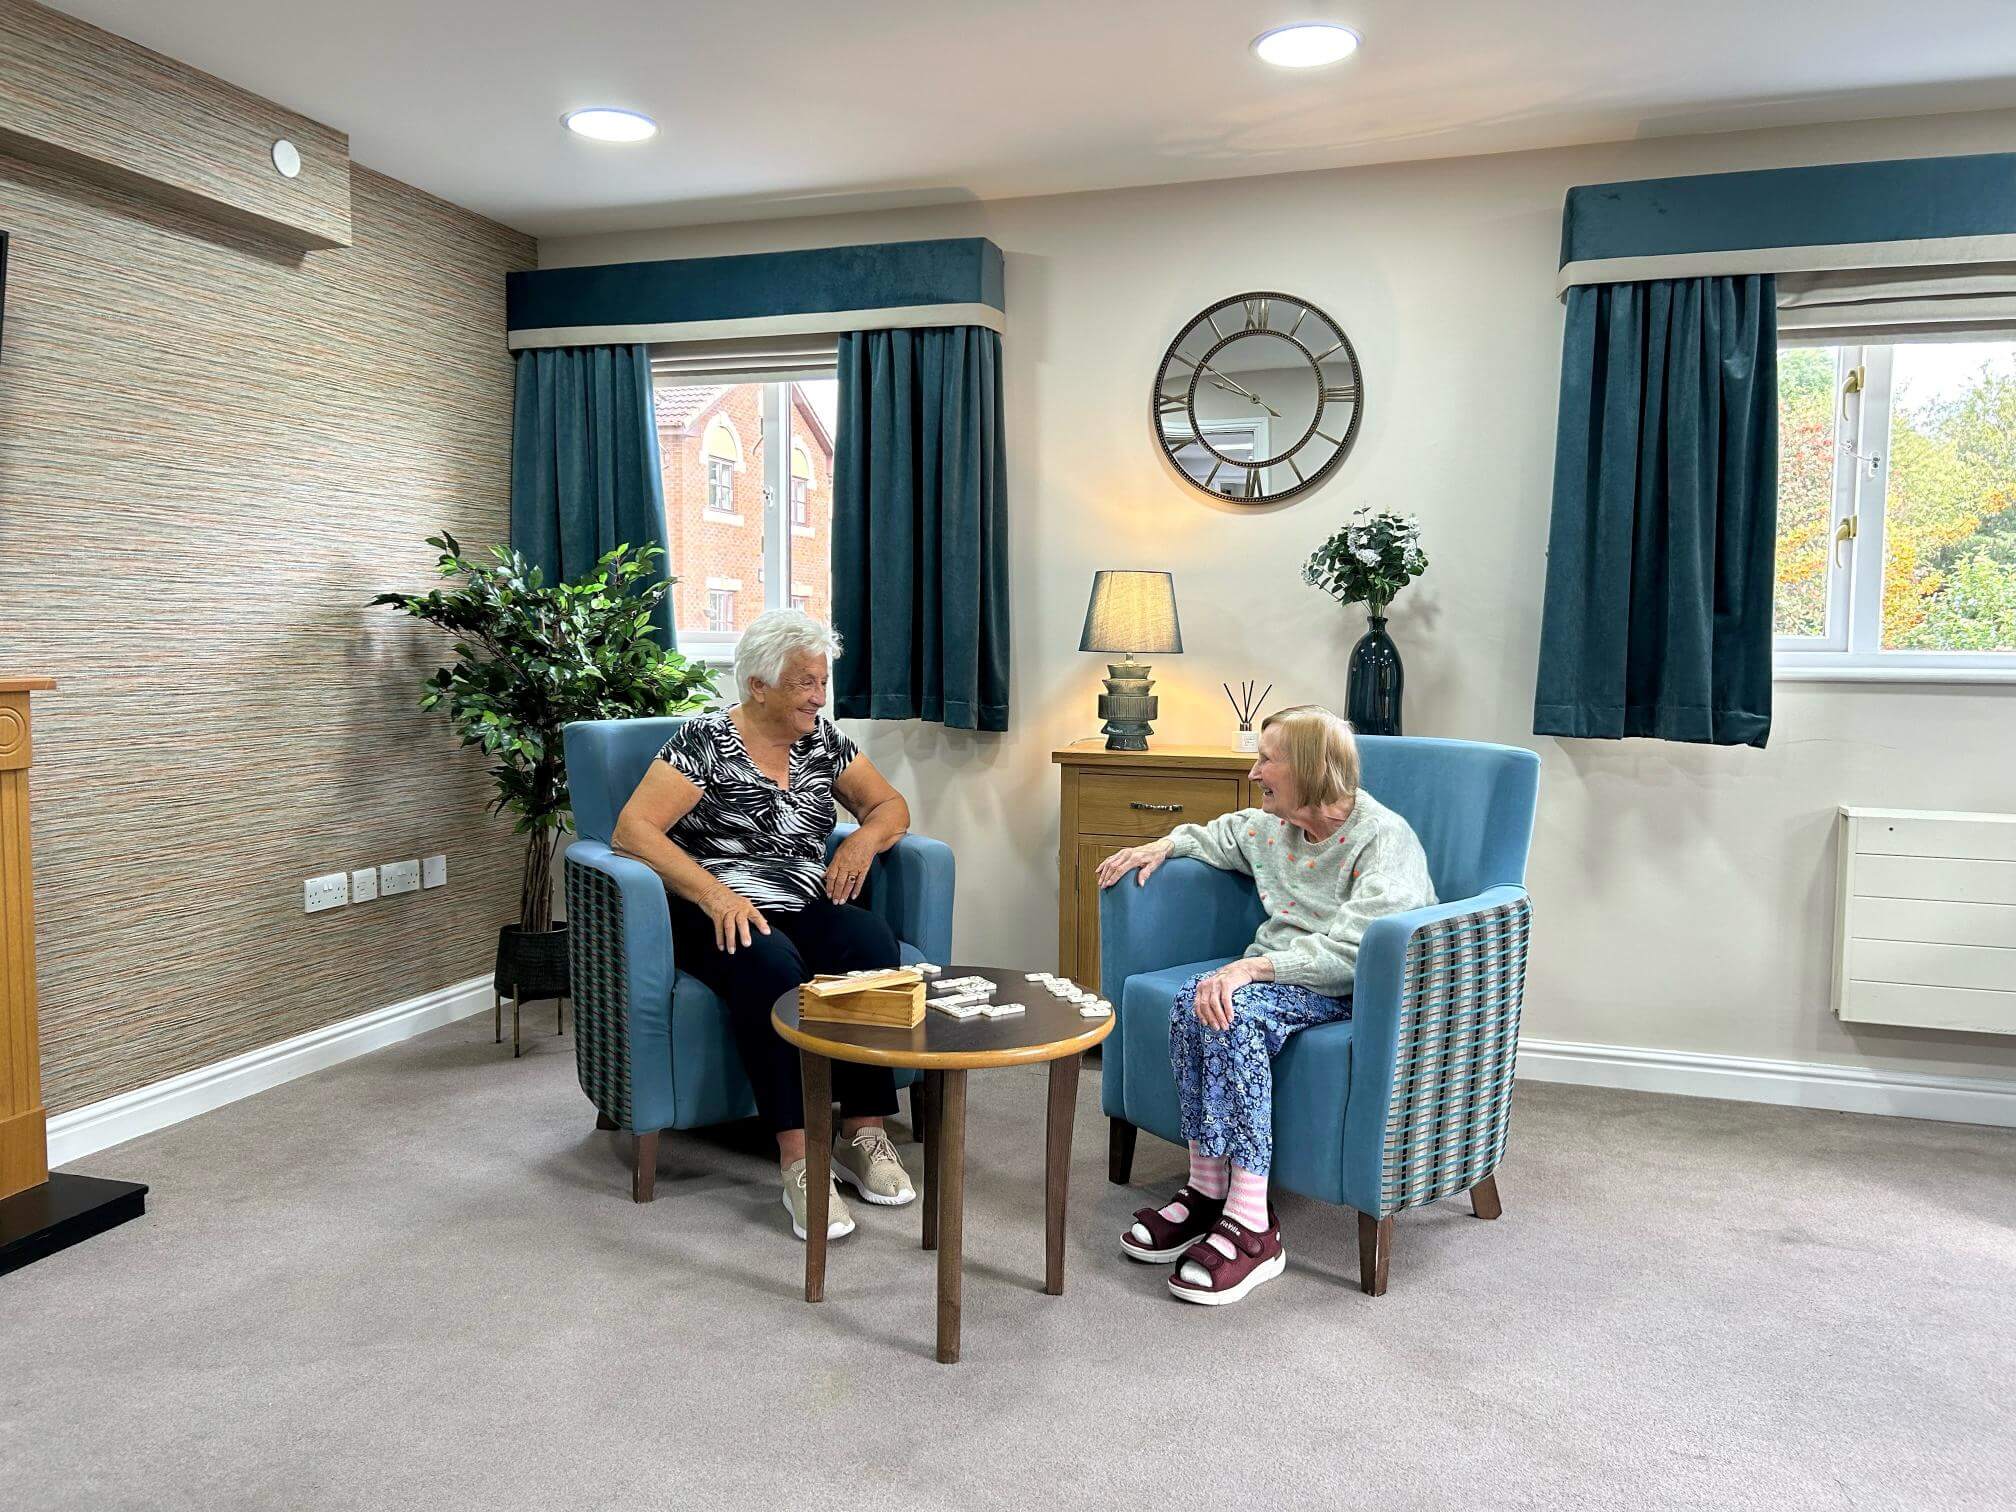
417	1281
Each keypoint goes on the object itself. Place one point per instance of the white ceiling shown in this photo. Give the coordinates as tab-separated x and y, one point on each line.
799	108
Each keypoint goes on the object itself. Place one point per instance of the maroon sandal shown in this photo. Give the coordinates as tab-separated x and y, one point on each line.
1167	1240
1257	1258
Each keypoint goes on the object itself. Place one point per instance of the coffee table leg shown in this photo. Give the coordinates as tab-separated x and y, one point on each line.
951	1121
818	1077
934	1097
1057	1168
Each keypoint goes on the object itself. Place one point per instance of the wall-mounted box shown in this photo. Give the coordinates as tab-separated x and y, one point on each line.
1925	920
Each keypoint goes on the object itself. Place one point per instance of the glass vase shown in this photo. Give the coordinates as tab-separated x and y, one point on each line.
1372	694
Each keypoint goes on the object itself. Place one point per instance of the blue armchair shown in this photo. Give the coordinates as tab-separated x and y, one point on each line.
1407	1101
652	1047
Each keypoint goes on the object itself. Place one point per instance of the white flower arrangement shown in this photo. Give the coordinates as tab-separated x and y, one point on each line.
1369	559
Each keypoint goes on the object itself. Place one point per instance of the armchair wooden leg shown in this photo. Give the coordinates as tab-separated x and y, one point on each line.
1484	1198
1120	1151
603	1122
1375	1249
497	1014
644	1167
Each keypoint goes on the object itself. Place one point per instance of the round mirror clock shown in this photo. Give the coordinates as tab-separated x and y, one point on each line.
1258	399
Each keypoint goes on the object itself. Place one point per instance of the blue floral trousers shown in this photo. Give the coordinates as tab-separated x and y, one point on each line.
1225	1077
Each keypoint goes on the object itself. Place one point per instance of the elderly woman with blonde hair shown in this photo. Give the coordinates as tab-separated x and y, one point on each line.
1328	858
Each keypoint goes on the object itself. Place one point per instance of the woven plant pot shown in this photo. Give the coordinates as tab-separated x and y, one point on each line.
531	964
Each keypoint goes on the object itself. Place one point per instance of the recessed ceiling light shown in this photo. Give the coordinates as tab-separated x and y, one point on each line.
606	124
1307	44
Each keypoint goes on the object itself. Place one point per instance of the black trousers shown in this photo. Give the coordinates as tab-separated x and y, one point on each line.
821	936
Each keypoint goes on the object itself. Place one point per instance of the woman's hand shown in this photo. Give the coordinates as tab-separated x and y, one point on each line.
847	872
733	916
1144	858
1213	1003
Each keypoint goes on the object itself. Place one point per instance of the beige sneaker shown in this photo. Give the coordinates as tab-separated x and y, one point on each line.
839	1222
868	1162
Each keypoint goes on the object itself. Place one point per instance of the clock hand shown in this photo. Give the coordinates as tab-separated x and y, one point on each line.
1233	387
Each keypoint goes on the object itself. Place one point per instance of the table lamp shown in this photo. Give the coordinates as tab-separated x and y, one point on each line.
1130	612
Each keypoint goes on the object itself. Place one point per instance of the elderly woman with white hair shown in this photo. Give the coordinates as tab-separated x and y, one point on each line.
734	815
1328	858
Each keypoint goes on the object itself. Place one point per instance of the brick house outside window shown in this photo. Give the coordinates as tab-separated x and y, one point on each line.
710	441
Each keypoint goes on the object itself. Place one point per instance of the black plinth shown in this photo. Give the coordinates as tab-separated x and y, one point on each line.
63	1211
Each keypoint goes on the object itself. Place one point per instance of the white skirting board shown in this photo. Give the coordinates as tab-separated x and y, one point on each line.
1794	1084
87	1130
1799	1084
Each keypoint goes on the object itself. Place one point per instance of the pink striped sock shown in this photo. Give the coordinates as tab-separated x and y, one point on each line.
1246	1203
1208	1177
1208	1173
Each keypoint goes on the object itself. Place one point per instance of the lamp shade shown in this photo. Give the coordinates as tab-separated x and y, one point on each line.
1132	611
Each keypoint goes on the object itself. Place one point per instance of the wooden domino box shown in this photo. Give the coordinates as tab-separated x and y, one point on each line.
891	998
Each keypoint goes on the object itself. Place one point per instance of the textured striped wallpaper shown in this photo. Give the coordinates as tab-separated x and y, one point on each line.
212	452
103	106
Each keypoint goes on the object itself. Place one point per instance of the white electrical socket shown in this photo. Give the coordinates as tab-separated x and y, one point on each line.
364	885
331	891
434	871
399	877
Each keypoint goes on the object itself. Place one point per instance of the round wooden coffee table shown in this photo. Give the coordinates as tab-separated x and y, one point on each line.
945	1049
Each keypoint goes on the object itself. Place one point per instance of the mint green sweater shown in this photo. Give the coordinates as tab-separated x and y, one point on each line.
1319	896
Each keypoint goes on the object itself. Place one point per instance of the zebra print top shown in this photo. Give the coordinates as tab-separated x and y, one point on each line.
767	843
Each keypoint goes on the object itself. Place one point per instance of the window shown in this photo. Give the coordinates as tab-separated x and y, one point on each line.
721	452
736	458
1897	510
720	611
801	488
1239	440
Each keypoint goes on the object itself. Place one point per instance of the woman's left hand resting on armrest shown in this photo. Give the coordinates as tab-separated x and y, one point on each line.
1145	858
884	818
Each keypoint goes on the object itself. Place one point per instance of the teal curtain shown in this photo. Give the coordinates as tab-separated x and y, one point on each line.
584	462
1657	618
920	528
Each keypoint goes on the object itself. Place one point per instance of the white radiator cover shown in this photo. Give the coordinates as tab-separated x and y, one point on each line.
1925	921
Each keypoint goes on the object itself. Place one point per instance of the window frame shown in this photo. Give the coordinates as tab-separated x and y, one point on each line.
721	472
720	606
1851	648
774	450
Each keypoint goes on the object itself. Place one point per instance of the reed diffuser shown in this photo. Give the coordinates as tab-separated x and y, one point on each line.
1246	709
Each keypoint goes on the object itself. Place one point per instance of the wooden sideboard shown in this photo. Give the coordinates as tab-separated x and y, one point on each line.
1114	799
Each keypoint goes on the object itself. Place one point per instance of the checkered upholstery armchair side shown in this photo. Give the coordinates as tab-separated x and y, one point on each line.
620	946
1436	1017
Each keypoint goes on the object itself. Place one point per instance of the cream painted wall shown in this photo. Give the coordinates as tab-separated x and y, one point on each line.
1683	895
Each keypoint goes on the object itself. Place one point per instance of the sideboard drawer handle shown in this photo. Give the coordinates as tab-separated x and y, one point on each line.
1158	808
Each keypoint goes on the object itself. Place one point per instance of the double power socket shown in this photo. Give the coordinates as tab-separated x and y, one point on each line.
336	889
